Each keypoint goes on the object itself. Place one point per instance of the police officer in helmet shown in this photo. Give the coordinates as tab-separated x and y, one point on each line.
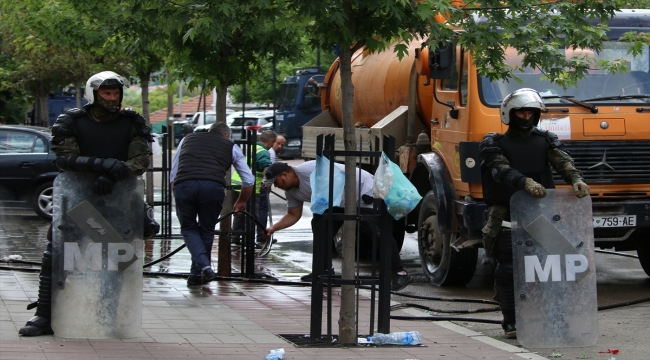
103	139
519	159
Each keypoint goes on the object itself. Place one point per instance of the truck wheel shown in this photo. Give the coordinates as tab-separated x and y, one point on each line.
41	200
643	251
442	265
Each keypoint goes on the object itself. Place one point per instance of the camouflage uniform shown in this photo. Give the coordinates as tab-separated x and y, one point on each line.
497	162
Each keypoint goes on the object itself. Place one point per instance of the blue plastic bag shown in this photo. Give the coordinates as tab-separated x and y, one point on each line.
320	185
403	197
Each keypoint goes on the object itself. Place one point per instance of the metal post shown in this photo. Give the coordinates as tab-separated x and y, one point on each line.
385	274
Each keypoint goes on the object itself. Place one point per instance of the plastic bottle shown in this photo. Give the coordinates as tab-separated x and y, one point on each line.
397	338
275	354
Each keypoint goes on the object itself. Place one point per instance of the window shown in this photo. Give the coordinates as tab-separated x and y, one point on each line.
452	82
463	78
40	146
18	142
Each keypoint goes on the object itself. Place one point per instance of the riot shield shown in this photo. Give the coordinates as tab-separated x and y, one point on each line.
97	252
554	270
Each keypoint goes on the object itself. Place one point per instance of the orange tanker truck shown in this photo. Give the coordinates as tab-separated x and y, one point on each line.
438	117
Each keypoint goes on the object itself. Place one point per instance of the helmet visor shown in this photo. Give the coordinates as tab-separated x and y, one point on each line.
525	99
107	78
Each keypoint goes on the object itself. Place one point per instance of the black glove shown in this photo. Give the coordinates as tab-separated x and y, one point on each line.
116	169
103	185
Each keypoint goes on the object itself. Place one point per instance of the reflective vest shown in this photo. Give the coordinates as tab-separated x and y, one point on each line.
259	175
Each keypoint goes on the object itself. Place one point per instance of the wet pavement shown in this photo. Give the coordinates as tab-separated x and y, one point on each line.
224	319
243	320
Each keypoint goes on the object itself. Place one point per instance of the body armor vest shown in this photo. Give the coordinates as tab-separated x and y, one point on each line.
526	155
113	139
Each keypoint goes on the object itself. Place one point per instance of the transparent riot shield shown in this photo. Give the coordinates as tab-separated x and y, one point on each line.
554	270
97	252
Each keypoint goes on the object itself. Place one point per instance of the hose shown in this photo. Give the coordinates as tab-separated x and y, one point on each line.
616	253
479	301
470	311
167	256
222	217
273	281
278	195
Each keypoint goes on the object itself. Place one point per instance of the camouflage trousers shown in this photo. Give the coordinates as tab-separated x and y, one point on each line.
492	230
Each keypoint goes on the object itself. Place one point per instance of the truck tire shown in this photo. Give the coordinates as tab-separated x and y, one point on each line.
41	200
442	265
643	250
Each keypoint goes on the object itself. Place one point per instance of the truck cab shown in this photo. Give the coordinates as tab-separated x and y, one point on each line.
297	102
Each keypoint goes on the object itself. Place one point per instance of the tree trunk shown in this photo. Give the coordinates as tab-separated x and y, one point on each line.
148	178
144	82
78	94
222	92
45	113
347	322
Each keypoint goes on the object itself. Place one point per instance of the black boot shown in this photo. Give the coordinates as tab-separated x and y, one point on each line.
504	284
40	323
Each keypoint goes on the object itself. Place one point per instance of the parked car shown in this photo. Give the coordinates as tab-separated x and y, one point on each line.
238	123
27	169
250	118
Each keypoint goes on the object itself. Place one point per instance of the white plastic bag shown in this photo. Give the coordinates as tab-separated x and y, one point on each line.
384	178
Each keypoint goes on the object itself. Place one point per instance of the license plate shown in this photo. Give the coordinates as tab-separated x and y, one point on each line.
615	221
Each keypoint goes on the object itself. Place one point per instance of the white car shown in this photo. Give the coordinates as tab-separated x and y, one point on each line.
210	117
240	123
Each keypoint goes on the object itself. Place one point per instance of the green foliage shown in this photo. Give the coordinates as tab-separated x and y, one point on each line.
14	104
259	89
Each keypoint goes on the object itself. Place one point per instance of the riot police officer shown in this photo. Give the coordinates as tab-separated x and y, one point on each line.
101	138
518	160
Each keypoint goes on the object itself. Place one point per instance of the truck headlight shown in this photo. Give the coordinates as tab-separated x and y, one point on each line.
294	142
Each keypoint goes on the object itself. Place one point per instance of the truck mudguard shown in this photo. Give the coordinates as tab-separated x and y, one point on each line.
441	184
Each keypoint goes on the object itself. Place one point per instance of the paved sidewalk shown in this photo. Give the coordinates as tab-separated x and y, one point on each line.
222	320
228	320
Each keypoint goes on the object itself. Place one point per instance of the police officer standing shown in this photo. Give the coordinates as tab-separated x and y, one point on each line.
518	160
104	139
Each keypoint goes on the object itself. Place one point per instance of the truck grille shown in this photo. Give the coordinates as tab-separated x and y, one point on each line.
629	161
280	130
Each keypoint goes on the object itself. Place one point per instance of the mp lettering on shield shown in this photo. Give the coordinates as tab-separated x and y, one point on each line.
575	265
105	240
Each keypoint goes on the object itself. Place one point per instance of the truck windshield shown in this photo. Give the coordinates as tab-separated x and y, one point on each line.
286	96
598	85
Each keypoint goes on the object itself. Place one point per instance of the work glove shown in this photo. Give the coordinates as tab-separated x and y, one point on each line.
103	185
116	169
534	188
580	189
